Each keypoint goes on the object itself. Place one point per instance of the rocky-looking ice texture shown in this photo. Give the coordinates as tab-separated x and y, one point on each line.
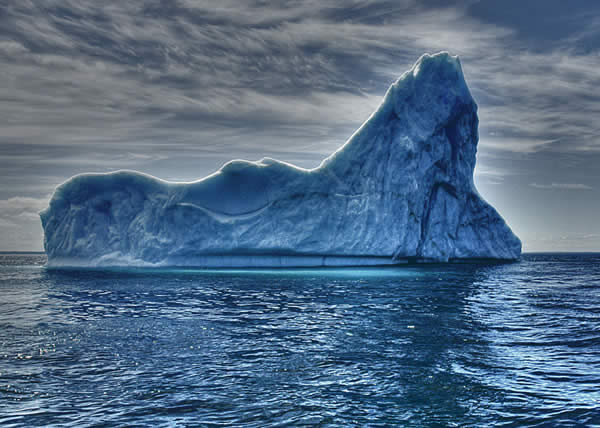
400	189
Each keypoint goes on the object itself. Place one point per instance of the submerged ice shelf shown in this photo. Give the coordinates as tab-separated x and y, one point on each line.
400	189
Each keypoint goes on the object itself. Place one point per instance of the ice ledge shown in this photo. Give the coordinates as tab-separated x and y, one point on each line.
257	261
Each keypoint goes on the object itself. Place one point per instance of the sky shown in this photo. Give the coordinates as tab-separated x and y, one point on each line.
175	88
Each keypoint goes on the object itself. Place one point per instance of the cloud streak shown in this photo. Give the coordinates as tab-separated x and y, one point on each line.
561	186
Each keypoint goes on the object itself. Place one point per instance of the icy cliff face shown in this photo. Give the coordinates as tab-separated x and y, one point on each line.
400	189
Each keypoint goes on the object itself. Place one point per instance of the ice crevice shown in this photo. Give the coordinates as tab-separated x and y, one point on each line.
223	217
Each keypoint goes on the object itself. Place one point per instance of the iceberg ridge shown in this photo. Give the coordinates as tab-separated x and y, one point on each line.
400	189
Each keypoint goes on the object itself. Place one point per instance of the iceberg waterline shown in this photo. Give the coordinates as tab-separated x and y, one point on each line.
400	189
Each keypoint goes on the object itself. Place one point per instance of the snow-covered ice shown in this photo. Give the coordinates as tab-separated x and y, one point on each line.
400	189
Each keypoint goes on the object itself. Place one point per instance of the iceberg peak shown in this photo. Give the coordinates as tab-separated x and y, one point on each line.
430	93
400	189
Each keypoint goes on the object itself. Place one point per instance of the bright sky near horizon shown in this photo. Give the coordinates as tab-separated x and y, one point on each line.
177	88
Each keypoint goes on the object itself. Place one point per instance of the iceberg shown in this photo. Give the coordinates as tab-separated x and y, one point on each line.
399	190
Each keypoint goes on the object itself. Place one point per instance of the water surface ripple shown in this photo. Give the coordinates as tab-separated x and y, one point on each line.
459	345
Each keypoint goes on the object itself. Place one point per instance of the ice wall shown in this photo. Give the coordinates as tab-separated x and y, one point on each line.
400	189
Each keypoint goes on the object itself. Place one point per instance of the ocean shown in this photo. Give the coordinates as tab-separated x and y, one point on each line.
427	345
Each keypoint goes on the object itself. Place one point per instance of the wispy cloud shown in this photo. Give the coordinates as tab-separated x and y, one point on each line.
76	67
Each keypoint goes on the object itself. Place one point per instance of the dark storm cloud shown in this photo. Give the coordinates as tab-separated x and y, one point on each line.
177	87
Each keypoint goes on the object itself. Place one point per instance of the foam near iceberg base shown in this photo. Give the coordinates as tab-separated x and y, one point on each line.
400	189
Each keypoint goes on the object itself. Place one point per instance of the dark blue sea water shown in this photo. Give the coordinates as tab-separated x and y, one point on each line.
458	345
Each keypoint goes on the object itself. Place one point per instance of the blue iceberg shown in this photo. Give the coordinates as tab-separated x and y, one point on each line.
399	190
